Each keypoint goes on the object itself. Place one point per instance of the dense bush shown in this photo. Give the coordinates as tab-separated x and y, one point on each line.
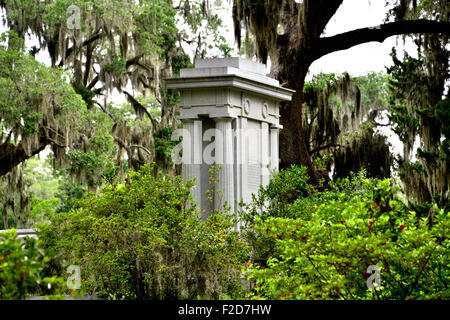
143	240
323	245
22	269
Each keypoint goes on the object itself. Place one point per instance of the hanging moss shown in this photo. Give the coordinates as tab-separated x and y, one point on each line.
14	198
338	121
420	117
260	18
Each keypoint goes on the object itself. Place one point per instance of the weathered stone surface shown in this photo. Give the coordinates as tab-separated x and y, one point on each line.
235	62
230	113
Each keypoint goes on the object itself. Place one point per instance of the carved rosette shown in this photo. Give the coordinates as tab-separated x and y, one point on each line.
265	110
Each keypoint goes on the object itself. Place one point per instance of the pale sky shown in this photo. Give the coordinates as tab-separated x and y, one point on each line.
359	60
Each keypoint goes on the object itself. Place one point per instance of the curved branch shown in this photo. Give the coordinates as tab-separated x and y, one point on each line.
343	41
12	155
325	147
135	60
97	34
93	82
105	111
141	147
139	107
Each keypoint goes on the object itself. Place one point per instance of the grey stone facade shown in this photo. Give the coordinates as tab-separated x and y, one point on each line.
230	114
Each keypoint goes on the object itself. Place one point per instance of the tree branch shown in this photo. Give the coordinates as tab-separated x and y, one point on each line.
325	147
382	124
93	83
139	107
11	155
141	147
105	111
134	60
315	15
343	41
68	52
87	67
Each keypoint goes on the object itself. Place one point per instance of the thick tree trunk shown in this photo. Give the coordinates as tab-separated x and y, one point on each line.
290	66
292	136
292	140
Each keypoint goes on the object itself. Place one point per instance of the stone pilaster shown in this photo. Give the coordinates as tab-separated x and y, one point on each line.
274	148
264	156
192	154
224	160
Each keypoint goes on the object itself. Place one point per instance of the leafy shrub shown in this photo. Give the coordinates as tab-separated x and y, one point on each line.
42	207
325	250
277	199
21	269
144	240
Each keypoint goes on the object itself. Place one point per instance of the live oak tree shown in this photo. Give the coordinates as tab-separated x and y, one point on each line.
117	46
36	104
108	49
420	111
341	118
291	34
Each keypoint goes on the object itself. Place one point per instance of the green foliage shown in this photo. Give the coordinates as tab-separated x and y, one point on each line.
420	113
41	209
28	90
31	197
143	240
21	269
221	44
117	66
93	159
277	199
68	194
129	43
374	88
179	62
322	81
324	251
284	188
86	94
43	182
405	85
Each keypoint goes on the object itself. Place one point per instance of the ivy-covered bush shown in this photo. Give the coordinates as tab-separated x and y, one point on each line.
325	250
22	265
144	240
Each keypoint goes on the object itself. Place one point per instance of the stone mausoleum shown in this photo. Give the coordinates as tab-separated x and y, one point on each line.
230	114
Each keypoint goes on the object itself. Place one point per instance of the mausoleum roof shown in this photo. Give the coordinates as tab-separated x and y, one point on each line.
230	72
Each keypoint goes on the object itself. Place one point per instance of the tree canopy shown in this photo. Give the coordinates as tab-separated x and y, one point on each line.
291	34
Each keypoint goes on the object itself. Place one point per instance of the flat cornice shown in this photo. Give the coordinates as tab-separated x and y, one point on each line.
231	81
